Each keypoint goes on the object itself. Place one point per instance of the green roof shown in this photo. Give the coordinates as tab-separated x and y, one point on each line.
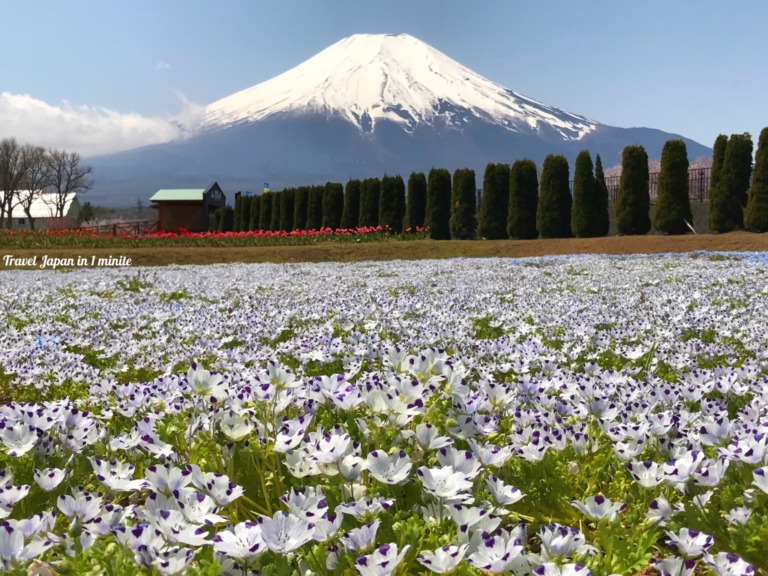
178	195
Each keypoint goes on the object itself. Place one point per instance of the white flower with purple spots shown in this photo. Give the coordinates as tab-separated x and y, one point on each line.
727	564
381	562
599	508
496	552
503	494
284	533
242	541
552	569
559	542
443	560
690	543
646	473
389	469
674	566
49	478
446	484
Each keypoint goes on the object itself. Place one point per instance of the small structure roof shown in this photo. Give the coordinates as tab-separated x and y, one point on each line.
43	204
179	195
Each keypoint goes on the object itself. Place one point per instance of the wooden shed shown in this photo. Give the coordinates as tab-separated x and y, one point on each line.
189	208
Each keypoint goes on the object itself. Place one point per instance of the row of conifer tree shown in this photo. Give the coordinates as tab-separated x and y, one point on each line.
517	203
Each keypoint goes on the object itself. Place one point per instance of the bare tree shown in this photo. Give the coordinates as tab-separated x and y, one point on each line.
67	175
36	179
13	168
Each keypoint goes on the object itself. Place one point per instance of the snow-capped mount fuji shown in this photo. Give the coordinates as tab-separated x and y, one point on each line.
368	78
365	106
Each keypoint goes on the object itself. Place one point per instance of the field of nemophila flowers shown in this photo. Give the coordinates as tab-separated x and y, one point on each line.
546	416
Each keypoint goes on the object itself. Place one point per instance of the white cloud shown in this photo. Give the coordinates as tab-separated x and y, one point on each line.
162	65
86	129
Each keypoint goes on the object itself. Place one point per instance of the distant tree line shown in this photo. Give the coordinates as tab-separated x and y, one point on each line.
27	172
519	202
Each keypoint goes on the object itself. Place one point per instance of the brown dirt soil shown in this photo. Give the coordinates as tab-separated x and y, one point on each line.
410	250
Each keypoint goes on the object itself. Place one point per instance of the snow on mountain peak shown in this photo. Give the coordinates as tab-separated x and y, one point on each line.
367	78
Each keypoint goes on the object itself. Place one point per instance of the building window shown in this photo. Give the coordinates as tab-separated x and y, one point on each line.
22	220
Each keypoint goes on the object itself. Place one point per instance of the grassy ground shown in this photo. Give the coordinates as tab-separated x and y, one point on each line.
407	250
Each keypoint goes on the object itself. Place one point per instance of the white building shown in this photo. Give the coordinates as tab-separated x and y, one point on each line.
43	211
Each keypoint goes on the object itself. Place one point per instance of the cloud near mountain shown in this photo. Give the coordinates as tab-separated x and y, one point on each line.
85	129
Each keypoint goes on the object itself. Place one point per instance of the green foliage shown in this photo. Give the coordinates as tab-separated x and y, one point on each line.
633	205
369	202
463	220
756	214
315	207
300	202
392	203
351	213
729	197
487	328
553	216
274	220
86	213
718	157
265	214
439	204
602	218
673	206
286	209
254	213
333	204
584	223
492	219
416	202
523	200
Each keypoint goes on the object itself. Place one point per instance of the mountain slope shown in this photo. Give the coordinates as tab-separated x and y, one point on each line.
368	78
366	105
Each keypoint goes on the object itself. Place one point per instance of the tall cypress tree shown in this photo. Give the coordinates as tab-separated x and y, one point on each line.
602	218
463	221
227	219
300	200
756	214
633	204
215	224
315	208
492	220
287	197
265	213
439	204
351	214
274	221
246	213
673	204
238	223
254	213
728	199
333	205
416	203
392	203
583	221
718	157
523	200
553	217
369	202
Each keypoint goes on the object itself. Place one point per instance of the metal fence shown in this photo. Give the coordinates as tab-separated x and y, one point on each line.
698	185
132	228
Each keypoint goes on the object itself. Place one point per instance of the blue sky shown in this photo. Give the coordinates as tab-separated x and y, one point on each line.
101	75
